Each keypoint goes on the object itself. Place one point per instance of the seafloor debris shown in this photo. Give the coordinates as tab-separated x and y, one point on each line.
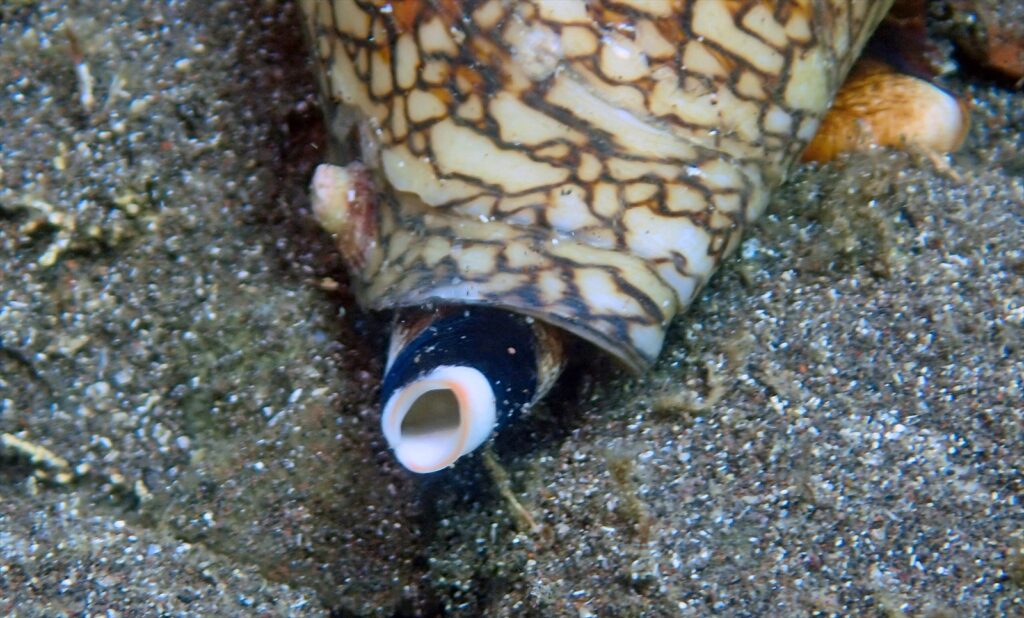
990	32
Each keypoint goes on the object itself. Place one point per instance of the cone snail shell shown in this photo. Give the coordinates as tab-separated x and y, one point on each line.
586	164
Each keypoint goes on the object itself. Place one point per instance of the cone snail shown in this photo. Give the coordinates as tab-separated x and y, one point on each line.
531	171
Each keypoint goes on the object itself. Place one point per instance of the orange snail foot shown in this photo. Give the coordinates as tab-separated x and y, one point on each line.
878	106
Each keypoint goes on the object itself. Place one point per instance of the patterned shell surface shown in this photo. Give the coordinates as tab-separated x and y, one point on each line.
588	162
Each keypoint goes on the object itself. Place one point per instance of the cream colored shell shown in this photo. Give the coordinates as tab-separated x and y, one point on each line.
590	163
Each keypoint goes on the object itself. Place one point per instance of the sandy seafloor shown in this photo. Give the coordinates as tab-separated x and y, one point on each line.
836	427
